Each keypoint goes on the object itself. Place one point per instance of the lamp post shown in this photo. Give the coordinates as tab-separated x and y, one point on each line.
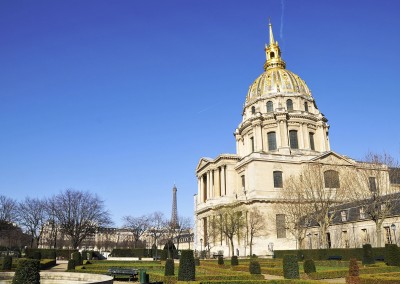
309	240
201	248
393	226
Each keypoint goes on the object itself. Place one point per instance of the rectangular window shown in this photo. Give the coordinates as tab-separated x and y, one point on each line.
345	239
388	235
364	236
243	182
278	182
280	226
252	143
312	145
271	141
294	144
372	184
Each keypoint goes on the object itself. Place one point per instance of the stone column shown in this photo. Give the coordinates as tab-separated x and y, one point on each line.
223	185
258	137
211	183
217	185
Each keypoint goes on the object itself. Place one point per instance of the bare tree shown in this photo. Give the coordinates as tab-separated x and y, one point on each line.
32	216
157	224
79	214
184	226
255	226
374	190
229	222
295	206
137	225
8	209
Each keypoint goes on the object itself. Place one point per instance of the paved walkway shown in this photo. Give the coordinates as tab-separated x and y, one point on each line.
61	266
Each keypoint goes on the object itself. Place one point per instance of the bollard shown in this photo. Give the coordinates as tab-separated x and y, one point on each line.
144	277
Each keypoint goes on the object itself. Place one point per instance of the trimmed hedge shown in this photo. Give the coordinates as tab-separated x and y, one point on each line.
368	255
383	278
290	267
187	270
254	267
275	281
137	252
323	254
169	267
71	264
47	263
392	255
77	257
37	255
220	260
234	260
309	266
27	272
7	263
50	253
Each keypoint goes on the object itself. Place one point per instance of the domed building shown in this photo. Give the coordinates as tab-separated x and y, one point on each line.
281	130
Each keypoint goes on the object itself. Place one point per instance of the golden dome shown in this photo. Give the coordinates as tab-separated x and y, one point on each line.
276	80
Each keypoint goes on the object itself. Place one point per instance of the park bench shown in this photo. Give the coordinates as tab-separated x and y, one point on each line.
216	255
334	257
380	258
118	271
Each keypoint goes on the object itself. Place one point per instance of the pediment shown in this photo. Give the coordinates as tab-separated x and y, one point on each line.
332	158
202	163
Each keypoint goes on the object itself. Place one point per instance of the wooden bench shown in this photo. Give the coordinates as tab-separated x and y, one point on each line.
118	271
334	257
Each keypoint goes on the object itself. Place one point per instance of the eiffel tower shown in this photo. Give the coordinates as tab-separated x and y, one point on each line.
174	213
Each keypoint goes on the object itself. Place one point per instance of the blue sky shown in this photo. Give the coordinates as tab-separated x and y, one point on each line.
122	98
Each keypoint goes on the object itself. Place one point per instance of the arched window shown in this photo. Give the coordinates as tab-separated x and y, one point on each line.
271	141
278	181
253	109
289	104
270	106
312	145
271	55
306	106
331	179
294	144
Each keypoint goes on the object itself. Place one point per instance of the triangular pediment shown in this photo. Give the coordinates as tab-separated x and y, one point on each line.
202	163
332	158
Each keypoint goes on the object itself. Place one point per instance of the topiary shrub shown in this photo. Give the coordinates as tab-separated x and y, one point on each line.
52	254
309	266
27	272
84	255
187	270
169	267
220	260
368	255
197	261
71	264
354	272
7	263
290	267
77	257
234	260
392	255
37	255
254	267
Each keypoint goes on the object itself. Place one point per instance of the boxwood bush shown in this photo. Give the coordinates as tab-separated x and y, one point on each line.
290	267
7	263
392	255
71	264
187	270
169	267
27	272
254	267
234	260
76	256
368	254
309	266
220	260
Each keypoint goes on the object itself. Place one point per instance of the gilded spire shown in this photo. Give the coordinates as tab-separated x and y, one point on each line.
271	34
273	53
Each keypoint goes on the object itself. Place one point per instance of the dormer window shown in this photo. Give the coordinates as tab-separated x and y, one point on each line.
289	105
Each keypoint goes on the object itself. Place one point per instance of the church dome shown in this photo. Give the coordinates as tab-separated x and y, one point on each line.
277	81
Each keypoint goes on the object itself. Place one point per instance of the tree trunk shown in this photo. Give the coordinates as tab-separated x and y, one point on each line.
378	235
232	246
251	245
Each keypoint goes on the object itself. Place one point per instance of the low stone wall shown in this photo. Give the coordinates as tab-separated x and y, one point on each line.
65	276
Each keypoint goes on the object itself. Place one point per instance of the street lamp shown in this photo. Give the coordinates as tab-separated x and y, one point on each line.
201	248
393	226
